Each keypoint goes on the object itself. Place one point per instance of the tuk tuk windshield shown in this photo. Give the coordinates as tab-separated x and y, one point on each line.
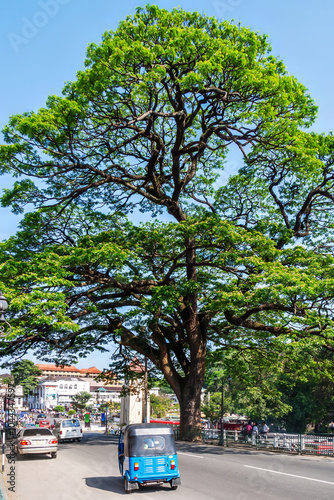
147	445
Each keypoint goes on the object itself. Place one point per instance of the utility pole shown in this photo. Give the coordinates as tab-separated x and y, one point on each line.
221	439
145	392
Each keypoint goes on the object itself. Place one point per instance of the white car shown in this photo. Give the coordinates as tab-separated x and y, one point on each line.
37	440
68	429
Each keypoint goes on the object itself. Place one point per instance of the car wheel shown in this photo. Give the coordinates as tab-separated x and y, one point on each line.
174	487
79	439
54	455
126	485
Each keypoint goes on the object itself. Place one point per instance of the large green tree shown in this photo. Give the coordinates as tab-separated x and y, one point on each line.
149	125
25	373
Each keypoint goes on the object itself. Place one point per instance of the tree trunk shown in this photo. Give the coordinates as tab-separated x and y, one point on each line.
190	402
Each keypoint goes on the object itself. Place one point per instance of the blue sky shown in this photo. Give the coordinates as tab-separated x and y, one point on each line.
43	45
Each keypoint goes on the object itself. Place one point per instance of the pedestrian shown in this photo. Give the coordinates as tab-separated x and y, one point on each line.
249	428
265	428
255	429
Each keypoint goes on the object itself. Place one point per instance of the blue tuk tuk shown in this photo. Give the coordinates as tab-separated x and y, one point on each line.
147	456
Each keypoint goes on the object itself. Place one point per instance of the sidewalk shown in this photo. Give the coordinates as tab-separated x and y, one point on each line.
3	489
94	428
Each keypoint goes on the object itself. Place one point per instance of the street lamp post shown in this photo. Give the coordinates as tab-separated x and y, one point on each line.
145	393
221	438
3	309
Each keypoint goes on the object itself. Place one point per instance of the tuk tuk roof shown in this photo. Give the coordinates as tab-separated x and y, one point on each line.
144	429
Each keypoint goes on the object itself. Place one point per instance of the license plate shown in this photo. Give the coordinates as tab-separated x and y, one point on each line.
39	442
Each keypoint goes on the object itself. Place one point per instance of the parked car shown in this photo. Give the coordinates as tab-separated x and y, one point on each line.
43	423
40	416
68	429
35	441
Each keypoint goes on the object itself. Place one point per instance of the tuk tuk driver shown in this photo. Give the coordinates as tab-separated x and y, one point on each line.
148	443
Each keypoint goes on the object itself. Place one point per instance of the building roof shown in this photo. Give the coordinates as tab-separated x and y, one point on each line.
95	388
60	369
136	366
92	369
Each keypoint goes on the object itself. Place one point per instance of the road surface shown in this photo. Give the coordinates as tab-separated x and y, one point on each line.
89	470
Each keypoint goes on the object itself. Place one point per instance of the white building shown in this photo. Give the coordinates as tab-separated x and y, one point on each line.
101	393
57	390
134	408
135	405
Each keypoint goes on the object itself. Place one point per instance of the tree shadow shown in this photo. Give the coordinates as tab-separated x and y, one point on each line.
99	440
212	449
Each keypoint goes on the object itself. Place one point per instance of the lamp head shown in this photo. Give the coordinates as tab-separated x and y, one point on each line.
3	307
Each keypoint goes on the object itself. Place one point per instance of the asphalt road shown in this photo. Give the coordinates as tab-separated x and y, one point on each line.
89	470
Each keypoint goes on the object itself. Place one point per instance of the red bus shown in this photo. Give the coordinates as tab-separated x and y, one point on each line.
169	422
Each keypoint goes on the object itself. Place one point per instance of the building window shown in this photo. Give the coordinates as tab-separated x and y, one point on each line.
70	386
65	386
61	386
75	386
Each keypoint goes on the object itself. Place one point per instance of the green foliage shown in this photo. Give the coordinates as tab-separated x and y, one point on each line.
160	405
59	408
212	406
7	380
80	399
25	373
307	384
111	407
71	412
164	388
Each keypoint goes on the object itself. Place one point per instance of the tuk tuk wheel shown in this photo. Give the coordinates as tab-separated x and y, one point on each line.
126	485
173	486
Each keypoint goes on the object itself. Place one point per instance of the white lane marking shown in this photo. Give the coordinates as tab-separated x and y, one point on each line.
292	475
189	454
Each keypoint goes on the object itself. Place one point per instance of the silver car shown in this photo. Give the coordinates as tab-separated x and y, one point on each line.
35	441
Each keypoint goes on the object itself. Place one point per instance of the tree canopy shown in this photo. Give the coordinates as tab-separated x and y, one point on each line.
80	399
149	126
25	373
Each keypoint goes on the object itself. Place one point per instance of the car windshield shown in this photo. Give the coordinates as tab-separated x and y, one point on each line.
152	445
36	432
71	423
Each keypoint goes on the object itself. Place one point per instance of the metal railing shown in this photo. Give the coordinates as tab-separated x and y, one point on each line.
310	444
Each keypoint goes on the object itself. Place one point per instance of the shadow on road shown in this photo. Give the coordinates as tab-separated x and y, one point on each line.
94	439
32	457
109	483
115	484
201	449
